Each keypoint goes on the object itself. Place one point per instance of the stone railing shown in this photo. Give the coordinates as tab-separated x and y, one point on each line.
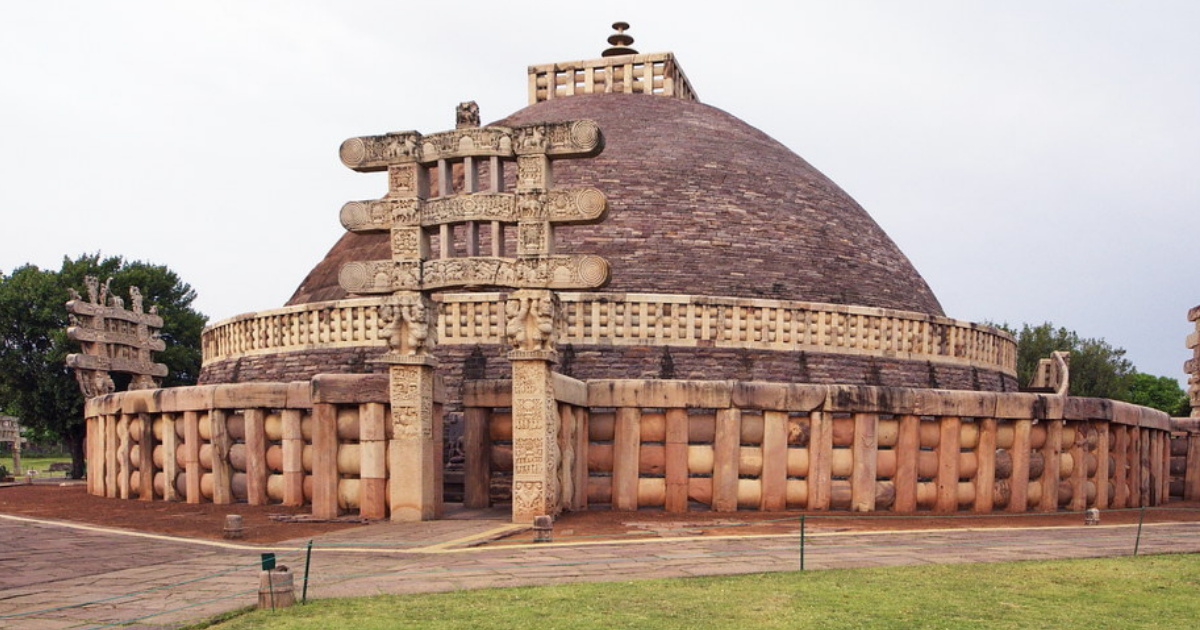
322	443
655	73
636	320
652	443
774	446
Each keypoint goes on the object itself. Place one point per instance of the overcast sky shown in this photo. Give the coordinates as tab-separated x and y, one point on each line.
1037	161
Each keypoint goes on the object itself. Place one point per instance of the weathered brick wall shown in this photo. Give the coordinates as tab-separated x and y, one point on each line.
609	362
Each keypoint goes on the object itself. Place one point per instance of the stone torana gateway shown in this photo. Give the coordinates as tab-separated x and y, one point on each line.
621	297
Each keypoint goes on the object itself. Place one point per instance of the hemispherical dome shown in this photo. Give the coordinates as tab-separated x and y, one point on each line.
701	203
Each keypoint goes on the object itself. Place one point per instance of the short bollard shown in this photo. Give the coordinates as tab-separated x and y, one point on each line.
1091	517
275	588
543	529
233	526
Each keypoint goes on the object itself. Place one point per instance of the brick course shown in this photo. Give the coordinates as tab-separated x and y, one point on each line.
609	362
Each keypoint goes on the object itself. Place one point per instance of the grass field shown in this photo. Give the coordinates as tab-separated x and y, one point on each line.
1146	592
40	464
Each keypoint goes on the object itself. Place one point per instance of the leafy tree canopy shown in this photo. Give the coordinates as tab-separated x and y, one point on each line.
1097	368
1160	392
35	384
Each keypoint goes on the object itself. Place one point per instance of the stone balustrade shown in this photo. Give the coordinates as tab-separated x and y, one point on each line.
620	319
774	446
655	73
665	444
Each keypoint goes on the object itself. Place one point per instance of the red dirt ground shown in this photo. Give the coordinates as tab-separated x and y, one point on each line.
72	503
604	524
205	520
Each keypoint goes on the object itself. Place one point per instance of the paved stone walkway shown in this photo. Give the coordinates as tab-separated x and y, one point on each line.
55	576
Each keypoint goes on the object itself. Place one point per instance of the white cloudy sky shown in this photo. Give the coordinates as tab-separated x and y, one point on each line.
1036	160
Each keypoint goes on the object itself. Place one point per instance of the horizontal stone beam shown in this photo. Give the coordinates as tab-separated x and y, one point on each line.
544	272
82	307
576	138
569	205
115	364
91	335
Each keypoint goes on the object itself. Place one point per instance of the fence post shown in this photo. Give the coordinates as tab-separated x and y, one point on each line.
801	542
307	563
1138	542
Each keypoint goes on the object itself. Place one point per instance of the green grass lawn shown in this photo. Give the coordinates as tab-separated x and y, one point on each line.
40	464
1119	593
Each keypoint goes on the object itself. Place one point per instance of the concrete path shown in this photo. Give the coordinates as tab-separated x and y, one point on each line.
57	575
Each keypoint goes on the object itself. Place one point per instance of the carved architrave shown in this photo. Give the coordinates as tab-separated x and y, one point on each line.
568	205
575	205
577	138
565	272
375	153
380	215
127	364
380	276
469	207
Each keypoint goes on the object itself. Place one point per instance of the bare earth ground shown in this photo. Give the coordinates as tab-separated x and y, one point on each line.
72	503
204	520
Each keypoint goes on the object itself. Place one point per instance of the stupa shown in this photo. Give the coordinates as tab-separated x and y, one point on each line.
617	296
730	255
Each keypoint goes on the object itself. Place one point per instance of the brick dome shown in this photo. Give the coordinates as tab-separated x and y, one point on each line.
701	203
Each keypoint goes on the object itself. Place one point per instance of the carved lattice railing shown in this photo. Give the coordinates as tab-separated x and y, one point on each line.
635	319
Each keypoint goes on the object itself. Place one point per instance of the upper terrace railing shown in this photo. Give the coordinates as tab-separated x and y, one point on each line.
636	319
655	73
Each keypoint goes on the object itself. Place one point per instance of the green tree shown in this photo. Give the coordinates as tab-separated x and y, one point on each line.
1160	392
35	383
1097	368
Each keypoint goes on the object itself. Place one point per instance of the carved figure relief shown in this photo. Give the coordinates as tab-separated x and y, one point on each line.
408	325
527	497
534	239
531	173
402	180
467	115
532	321
411	397
406	242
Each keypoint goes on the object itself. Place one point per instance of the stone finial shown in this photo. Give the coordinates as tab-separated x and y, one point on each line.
620	41
467	115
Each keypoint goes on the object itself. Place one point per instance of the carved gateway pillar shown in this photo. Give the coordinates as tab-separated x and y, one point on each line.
415	431
532	326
